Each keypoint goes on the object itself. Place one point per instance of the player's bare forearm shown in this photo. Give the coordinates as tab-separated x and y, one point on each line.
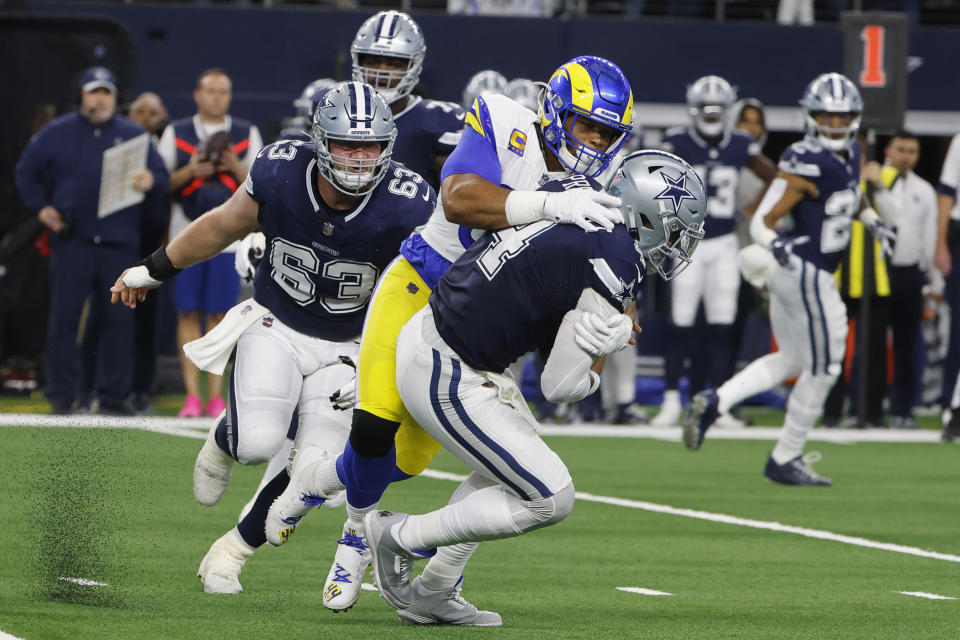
764	168
215	230
944	206
797	189
474	202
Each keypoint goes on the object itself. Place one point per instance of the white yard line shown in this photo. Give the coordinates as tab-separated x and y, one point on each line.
7	636
170	425
922	594
741	522
644	592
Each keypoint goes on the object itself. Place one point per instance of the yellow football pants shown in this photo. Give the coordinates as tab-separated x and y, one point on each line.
400	293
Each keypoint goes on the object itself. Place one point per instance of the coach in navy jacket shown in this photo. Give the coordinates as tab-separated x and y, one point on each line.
58	176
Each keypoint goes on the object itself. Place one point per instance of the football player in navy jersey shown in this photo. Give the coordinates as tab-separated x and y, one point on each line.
298	127
490	182
546	286
334	214
388	53
718	152
818	183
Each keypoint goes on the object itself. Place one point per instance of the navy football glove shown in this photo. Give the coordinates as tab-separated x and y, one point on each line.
782	248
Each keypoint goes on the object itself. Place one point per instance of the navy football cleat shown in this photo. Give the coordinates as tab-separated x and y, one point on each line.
796	471
700	415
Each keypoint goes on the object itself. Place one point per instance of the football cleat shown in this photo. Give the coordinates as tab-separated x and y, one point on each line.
342	588
297	499
211	471
796	471
670	410
220	568
700	415
446	606
391	562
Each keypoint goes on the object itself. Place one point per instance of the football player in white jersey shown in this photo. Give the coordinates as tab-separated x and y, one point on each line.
489	182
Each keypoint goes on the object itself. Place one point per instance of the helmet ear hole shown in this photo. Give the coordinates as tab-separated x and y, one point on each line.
645	221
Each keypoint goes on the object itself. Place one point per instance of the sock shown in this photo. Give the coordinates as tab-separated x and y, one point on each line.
758	376
719	345
252	527
446	568
365	478
803	408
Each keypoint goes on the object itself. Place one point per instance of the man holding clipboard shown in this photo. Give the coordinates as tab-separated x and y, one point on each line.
96	202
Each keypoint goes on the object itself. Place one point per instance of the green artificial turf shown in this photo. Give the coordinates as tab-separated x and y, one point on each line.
116	506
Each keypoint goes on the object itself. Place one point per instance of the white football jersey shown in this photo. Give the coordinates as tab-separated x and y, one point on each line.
512	128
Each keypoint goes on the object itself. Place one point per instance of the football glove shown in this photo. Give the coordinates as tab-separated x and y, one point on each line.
782	248
885	235
249	254
345	398
590	210
600	336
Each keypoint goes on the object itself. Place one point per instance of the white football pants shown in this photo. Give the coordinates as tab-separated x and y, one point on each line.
480	419
276	369
712	277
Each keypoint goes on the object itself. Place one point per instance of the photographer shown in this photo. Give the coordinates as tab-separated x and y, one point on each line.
208	156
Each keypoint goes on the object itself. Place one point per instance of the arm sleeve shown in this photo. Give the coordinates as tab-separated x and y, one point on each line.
929	232
566	375
950	174
29	173
259	182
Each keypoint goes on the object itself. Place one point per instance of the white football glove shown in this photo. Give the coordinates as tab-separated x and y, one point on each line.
345	398
588	209
599	337
249	254
139	278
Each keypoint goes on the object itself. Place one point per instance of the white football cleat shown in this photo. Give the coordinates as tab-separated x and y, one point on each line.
342	588
446	606
299	497
211	471
670	410
220	568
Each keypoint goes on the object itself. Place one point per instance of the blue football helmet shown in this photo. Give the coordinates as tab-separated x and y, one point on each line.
586	87
353	112
832	93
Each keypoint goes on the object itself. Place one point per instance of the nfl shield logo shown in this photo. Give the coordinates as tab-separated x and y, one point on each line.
327	229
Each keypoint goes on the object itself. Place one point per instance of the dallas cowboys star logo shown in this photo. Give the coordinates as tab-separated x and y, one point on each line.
676	190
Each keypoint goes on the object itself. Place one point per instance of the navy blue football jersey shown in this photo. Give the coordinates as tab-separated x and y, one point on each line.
718	165
321	264
826	219
508	293
427	129
295	133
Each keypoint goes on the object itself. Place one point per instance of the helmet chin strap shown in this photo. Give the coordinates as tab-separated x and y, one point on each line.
709	129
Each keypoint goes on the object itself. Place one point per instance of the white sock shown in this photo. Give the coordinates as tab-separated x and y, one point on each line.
355	517
803	408
444	569
323	479
488	514
758	376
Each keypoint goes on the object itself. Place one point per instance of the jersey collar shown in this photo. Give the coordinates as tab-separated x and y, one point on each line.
316	200
411	103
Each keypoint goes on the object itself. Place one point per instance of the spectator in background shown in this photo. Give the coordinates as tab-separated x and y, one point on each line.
58	176
149	112
910	268
795	12
208	156
529	8
945	258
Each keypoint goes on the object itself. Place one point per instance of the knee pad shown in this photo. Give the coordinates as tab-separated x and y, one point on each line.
258	443
544	512
370	435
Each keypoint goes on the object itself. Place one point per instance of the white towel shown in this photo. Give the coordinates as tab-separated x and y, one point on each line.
212	352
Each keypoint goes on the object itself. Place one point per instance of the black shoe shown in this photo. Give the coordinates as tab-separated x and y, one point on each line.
139	403
59	408
951	430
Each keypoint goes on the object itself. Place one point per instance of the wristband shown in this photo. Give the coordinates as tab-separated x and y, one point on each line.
869	216
763	235
524	207
159	266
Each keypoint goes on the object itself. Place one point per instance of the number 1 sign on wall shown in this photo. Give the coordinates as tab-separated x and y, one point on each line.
872	75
